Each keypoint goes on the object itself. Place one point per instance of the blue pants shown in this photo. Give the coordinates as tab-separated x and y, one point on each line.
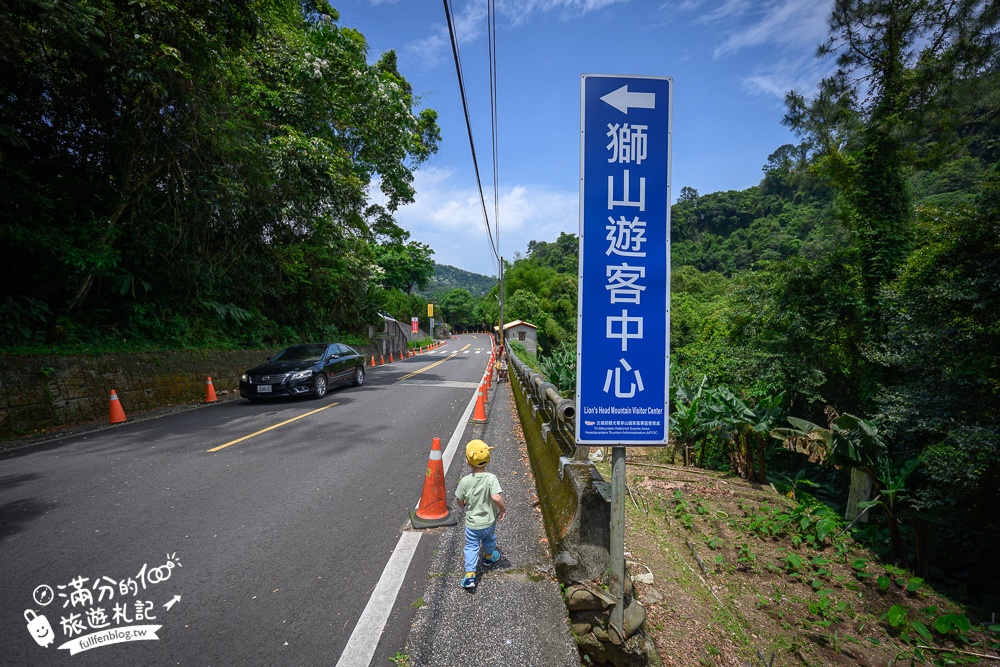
486	536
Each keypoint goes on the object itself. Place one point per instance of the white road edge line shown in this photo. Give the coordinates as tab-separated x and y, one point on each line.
364	639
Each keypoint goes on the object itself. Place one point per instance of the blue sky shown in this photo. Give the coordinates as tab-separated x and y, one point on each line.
732	61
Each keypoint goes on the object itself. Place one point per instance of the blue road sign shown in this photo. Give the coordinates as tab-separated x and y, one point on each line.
623	317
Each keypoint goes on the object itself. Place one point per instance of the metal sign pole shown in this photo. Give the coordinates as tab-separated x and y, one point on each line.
501	302
616	582
623	309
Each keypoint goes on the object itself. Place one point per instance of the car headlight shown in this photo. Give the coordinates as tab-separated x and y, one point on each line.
244	378
301	375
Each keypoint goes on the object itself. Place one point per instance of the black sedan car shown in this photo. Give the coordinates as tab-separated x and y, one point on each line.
304	369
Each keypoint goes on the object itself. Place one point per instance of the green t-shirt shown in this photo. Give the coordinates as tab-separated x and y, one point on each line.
475	489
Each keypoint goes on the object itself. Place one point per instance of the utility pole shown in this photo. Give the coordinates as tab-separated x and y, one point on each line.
501	302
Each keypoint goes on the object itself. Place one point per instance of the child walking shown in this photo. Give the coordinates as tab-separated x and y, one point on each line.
479	493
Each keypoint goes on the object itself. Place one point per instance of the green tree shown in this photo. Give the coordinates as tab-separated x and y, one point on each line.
405	267
562	255
896	63
943	396
460	309
787	327
692	295
166	164
523	305
402	306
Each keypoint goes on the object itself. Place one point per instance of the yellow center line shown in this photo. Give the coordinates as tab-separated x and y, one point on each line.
427	368
271	428
466	347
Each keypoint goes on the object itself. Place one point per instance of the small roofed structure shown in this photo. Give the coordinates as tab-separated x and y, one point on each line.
523	332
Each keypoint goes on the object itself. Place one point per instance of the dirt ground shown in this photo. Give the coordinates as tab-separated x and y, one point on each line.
732	574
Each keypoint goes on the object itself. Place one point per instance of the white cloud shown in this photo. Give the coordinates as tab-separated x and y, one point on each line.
519	11
430	51
448	216
728	10
776	79
794	23
470	23
789	30
684	6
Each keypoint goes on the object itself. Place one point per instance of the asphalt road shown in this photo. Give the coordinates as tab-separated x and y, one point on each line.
273	543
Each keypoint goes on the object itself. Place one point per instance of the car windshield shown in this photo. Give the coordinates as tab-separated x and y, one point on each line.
301	353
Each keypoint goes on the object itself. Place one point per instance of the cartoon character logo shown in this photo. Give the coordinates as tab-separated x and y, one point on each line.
39	628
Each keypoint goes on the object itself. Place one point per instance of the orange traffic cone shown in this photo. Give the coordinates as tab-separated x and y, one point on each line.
210	391
373	361
382	359
485	388
479	414
390	358
117	415
433	508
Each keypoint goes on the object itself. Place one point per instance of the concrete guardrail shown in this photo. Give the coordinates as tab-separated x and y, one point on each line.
575	498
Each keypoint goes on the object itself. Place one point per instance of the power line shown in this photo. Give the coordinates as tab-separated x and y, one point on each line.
468	125
491	20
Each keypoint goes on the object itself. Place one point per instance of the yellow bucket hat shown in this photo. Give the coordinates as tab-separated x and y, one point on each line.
477	453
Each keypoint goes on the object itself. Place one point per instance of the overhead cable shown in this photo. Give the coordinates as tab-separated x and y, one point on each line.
491	19
468	125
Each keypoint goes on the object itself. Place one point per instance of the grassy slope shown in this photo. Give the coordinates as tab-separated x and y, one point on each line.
760	598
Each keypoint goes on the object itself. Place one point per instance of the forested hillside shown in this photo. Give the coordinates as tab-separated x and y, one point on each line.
197	175
447	278
835	329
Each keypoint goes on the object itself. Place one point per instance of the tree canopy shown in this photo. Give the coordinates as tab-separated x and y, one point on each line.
168	168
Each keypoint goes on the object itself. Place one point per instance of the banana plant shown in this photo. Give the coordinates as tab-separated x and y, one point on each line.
849	442
746	426
687	421
892	485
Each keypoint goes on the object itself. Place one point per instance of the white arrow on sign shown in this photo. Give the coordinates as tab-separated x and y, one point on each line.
623	100
172	602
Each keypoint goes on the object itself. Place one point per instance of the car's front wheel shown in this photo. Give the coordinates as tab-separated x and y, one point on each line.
319	386
359	376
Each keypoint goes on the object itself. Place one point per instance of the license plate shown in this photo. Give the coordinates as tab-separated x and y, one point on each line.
263	389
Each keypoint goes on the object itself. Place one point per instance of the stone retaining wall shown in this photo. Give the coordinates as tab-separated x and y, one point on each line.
42	392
